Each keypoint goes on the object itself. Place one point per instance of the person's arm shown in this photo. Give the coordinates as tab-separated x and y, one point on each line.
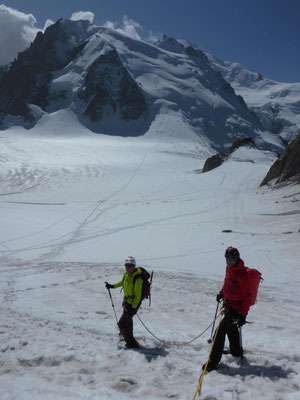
119	284
137	292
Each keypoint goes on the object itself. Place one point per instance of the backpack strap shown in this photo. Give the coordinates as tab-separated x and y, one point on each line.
137	276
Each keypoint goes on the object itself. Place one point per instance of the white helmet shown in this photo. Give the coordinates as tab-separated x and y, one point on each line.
130	260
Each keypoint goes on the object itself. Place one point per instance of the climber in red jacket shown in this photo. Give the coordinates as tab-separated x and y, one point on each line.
236	304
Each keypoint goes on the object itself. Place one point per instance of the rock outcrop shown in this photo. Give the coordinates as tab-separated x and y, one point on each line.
214	161
217	159
287	166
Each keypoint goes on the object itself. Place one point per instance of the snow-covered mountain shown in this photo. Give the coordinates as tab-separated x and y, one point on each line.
122	86
75	204
276	104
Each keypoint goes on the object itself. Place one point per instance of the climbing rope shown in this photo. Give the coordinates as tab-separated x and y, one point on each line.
176	344
198	391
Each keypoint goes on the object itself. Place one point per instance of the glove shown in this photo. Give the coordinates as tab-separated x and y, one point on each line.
220	296
109	286
241	320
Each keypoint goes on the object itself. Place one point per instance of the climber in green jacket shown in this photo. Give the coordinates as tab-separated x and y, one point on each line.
132	284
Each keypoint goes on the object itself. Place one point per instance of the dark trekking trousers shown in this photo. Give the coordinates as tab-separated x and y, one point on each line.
126	326
229	327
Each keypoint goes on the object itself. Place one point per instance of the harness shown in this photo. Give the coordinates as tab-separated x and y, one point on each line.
129	297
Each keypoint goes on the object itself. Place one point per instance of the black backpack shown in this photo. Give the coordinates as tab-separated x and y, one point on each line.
147	282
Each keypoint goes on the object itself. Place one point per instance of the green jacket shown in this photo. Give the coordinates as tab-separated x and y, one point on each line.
132	291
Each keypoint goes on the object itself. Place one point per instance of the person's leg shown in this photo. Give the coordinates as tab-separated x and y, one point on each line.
126	329
134	343
234	340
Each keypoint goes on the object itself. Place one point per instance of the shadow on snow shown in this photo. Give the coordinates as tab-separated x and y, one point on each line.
152	353
273	372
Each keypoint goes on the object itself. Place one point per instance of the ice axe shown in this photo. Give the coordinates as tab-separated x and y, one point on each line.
241	343
213	327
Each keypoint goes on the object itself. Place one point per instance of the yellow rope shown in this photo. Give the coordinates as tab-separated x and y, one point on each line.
198	391
179	344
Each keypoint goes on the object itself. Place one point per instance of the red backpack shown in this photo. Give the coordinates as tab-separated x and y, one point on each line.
253	278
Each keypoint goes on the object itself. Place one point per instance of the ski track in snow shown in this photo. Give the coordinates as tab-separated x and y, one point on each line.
68	226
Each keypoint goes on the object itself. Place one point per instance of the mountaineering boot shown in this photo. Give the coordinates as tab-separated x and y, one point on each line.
133	344
210	367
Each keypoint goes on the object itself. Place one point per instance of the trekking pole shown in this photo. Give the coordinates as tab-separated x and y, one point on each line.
113	306
241	343
213	327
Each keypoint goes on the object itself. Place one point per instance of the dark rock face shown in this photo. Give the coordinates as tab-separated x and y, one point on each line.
214	161
191	51
218	159
110	88
287	166
241	143
3	70
28	78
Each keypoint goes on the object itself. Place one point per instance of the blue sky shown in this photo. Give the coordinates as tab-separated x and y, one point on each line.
262	35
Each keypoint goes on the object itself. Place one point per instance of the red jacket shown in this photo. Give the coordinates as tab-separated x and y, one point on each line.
235	288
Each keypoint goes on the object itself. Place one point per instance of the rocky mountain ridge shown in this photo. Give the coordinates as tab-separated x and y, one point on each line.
32	73
287	167
276	104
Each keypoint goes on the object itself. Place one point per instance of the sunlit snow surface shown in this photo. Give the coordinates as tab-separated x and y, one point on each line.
74	205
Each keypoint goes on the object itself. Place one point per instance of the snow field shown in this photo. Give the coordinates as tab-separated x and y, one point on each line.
59	339
72	208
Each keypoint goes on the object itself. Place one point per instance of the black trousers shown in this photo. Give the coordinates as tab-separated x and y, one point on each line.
227	327
126	326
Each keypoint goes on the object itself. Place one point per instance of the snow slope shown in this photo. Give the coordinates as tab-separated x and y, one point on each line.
74	205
